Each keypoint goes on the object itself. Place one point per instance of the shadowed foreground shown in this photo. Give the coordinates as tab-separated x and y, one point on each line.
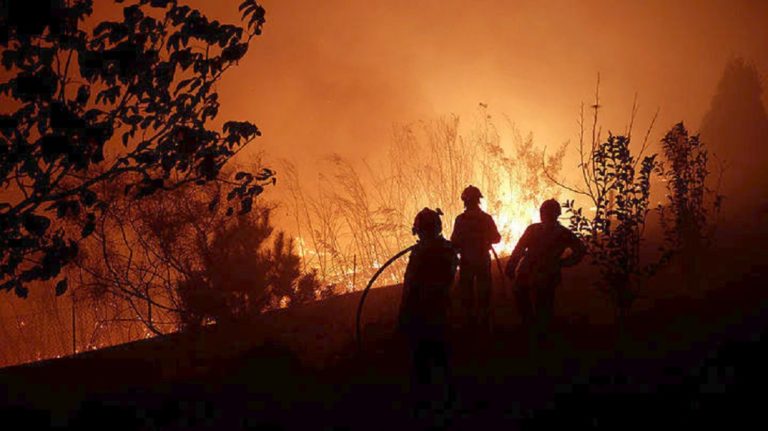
684	359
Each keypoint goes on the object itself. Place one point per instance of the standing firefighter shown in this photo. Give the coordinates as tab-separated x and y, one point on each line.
424	306
535	265
473	233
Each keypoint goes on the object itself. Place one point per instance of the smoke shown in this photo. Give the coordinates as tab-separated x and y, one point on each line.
334	76
736	130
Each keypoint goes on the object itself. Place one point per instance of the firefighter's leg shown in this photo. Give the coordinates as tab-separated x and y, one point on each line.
420	361
484	294
432	375
523	300
524	304
442	348
467	293
440	357
545	305
436	360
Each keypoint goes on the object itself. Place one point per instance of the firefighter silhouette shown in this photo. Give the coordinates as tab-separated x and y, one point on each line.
424	307
535	264
473	234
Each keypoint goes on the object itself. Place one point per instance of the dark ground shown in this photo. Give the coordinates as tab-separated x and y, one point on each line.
686	359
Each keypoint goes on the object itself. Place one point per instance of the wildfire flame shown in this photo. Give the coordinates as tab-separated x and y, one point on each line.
511	229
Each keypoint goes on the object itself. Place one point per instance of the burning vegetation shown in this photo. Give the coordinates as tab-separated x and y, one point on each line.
354	217
116	191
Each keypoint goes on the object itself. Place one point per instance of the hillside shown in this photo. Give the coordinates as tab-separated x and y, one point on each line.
684	353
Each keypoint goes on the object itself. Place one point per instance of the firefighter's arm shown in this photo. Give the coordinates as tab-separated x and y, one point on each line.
409	270
517	253
456	234
454	263
578	251
495	236
406	296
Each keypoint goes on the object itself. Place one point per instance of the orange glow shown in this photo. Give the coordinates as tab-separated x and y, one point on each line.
512	219
334	76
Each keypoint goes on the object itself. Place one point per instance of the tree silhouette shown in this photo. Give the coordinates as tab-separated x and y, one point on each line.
131	99
174	264
688	219
236	266
617	183
686	171
242	274
614	233
736	130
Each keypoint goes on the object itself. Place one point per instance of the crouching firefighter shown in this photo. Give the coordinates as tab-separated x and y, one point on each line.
424	307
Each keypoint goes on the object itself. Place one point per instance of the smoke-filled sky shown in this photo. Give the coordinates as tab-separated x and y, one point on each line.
335	75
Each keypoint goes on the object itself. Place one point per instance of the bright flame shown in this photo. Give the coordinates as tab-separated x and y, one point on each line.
512	211
512	215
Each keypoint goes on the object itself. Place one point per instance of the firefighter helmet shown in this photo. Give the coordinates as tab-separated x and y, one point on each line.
471	194
550	210
428	222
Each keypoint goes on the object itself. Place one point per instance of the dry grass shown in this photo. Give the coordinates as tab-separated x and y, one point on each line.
357	215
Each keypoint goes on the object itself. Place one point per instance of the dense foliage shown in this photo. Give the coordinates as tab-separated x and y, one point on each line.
89	104
167	262
689	218
613	232
686	171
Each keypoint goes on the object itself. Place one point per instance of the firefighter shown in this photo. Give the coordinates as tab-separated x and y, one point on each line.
473	234
424	307
535	264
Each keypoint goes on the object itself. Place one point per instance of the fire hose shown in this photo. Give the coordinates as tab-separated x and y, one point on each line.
368	288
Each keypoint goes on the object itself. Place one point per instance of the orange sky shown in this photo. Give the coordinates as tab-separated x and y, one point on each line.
334	75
